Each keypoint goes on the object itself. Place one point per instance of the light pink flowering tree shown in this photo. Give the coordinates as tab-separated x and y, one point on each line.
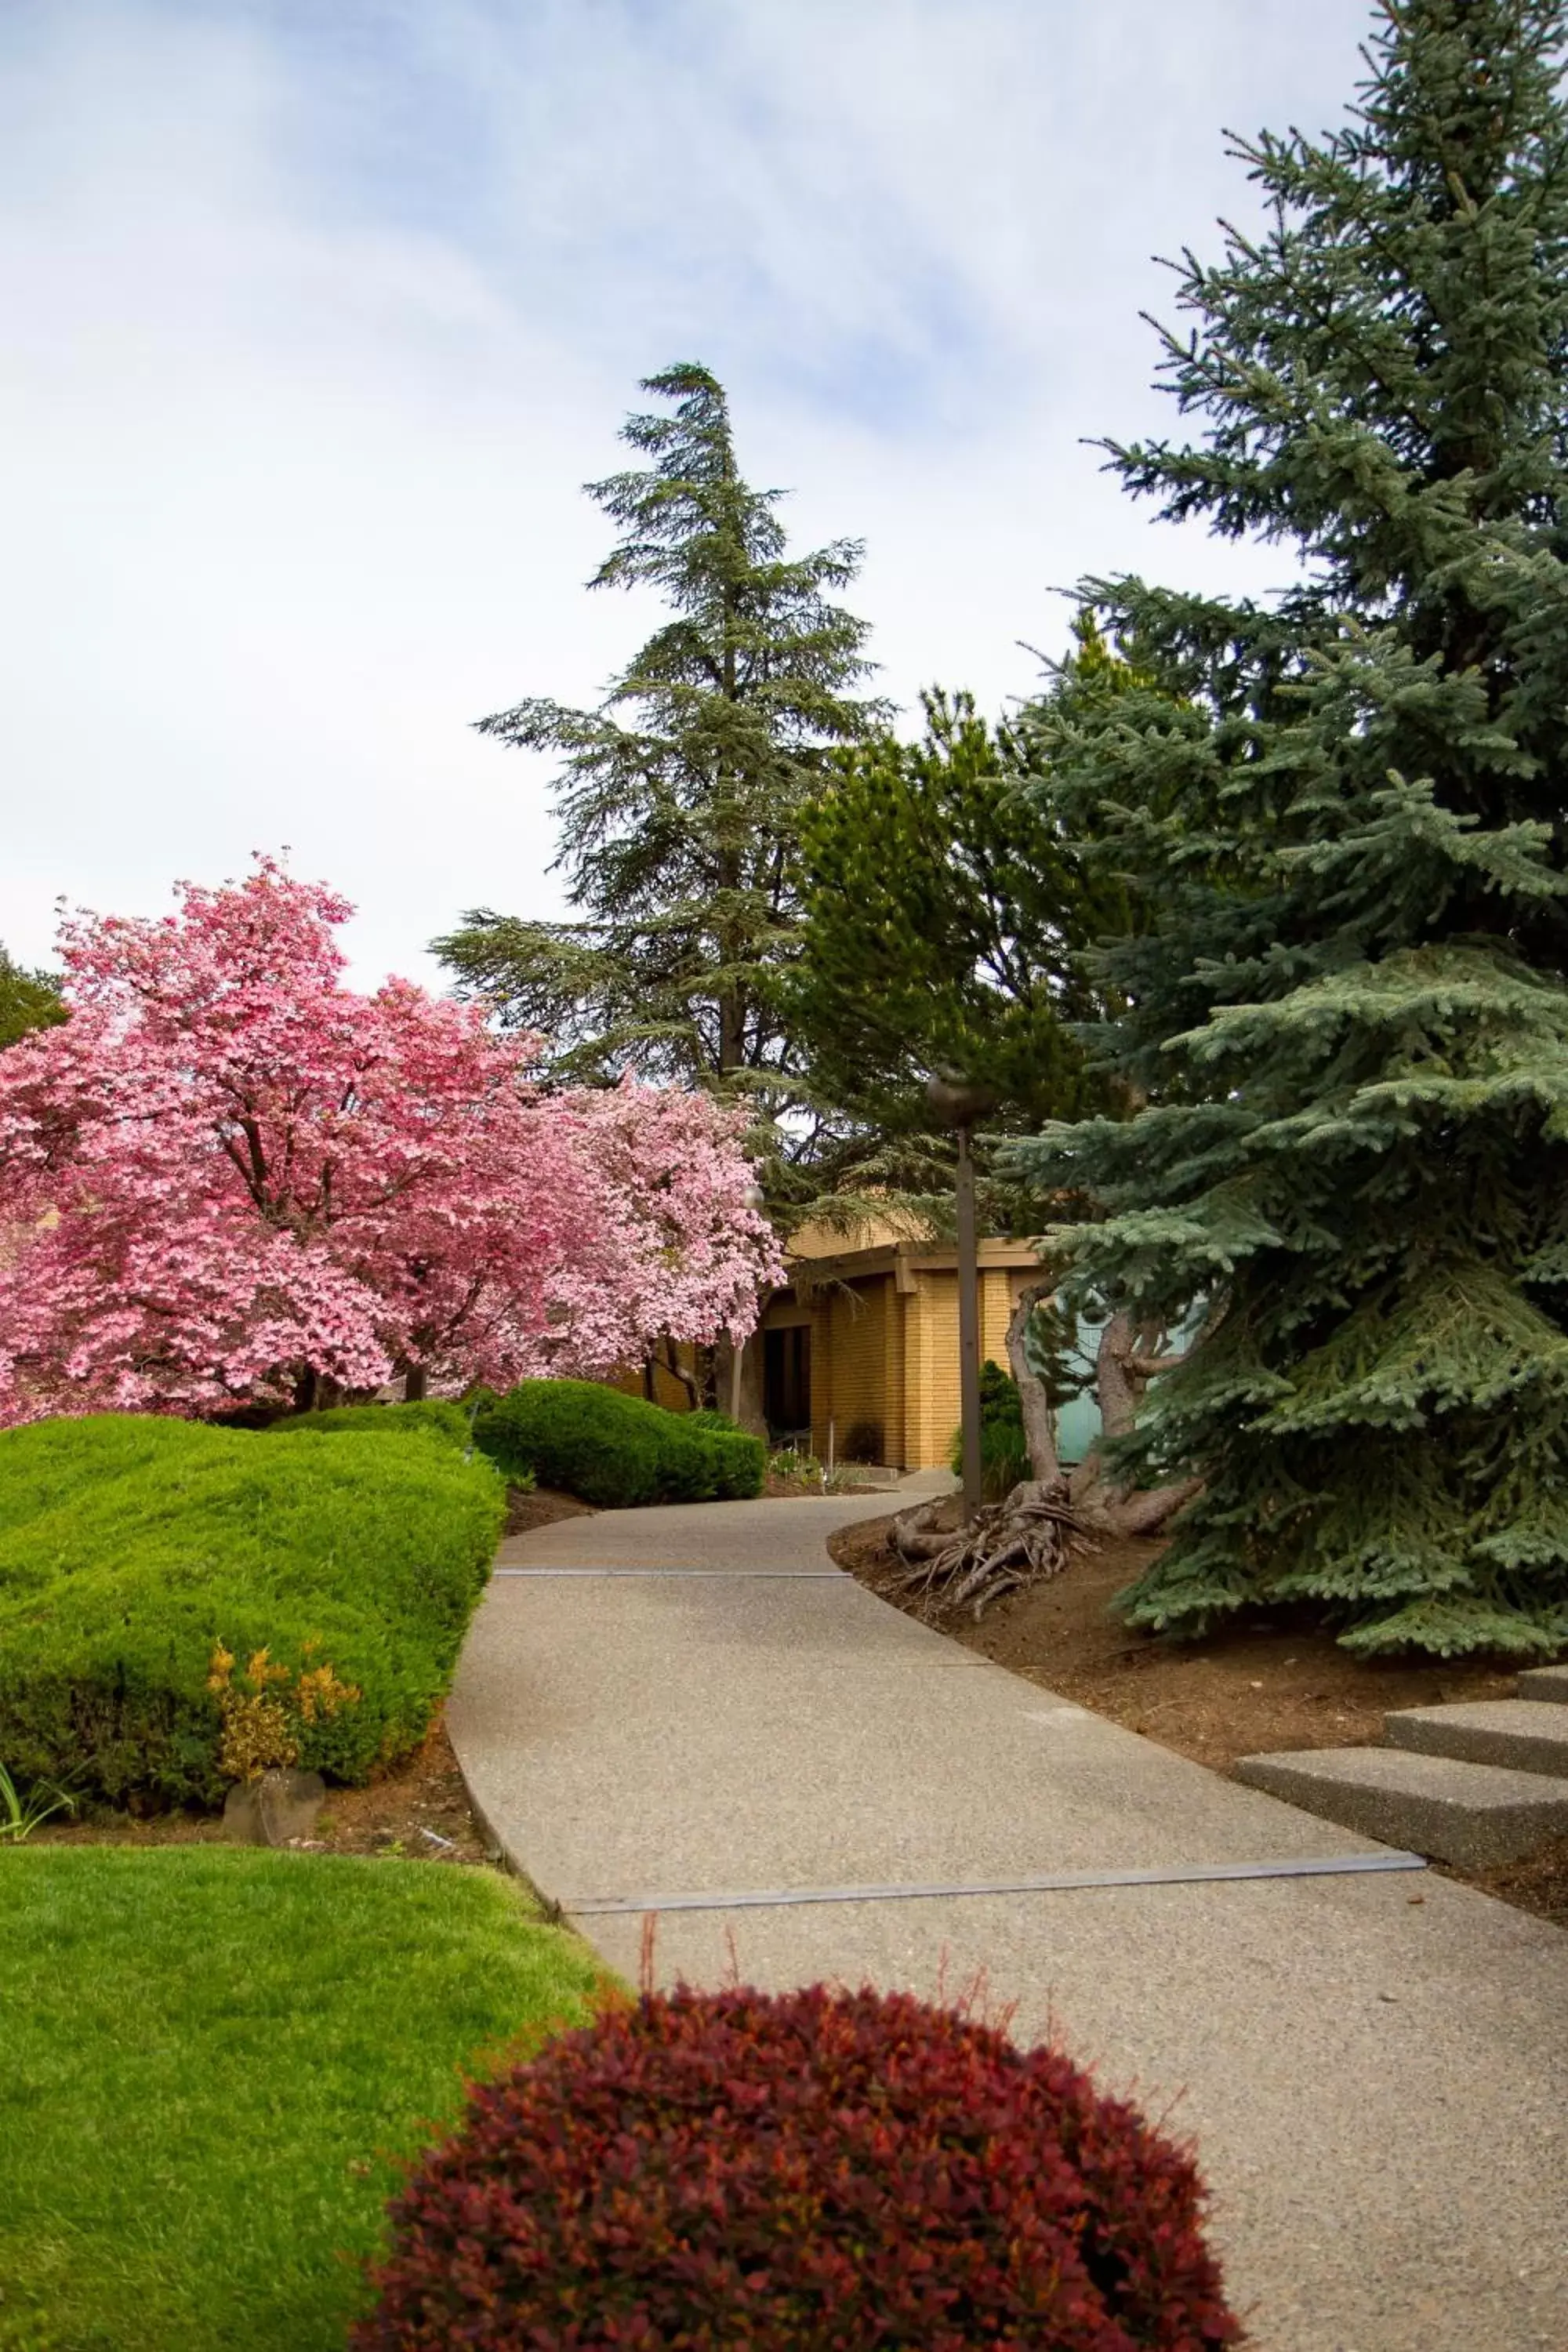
229	1181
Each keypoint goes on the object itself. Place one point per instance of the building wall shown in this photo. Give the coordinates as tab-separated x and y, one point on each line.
884	1349
848	1361
667	1390
931	1371
931	1408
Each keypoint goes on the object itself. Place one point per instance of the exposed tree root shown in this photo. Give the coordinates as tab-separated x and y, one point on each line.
1033	1532
1008	1544
1020	1541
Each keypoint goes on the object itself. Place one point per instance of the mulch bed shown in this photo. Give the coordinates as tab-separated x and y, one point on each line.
1255	1686
540	1507
420	1811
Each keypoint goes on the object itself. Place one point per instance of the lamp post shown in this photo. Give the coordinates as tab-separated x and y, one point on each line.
959	1103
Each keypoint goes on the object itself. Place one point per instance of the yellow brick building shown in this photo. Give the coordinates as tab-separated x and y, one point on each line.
858	1357
862	1349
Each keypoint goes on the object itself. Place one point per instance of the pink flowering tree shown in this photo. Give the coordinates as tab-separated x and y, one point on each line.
229	1181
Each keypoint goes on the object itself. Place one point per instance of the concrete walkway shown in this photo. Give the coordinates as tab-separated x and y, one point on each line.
686	1710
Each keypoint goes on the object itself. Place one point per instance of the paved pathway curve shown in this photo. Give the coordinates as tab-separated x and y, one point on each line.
692	1711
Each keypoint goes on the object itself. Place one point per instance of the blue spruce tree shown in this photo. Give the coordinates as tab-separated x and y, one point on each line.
1346	1021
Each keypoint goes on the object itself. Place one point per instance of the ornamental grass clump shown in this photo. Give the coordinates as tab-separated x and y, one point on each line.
810	2169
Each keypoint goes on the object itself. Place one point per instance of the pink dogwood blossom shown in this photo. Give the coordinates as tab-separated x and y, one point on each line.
227	1180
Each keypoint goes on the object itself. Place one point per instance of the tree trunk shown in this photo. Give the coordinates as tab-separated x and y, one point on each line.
747	1406
414	1384
1039	1427
1032	1533
673	1364
314	1392
1119	1386
1144	1510
1117	1389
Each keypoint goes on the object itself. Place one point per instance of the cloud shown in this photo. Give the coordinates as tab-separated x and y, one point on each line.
318	318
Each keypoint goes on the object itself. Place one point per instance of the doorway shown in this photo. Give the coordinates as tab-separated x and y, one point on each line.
786	1383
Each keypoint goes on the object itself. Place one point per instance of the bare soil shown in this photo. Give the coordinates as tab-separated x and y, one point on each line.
540	1507
1255	1686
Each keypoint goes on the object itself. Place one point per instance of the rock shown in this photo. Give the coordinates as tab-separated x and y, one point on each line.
280	1806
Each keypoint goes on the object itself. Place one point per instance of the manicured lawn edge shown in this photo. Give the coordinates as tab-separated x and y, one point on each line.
211	2062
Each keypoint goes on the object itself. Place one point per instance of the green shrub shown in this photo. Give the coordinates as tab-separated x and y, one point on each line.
437	1416
614	1450
131	1547
1004	1450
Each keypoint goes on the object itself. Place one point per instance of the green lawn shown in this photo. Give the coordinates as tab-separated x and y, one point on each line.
208	2063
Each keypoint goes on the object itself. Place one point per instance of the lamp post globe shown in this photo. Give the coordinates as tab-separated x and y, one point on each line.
957	1102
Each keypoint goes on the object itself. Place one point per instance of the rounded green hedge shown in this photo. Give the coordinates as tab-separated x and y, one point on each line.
131	1546
614	1450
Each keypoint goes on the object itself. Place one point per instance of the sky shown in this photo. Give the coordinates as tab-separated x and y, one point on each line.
319	314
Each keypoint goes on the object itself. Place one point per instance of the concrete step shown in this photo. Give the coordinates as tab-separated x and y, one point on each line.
1522	1734
1548	1683
1472	1814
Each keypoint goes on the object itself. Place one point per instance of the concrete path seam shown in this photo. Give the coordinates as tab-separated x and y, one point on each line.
1054	1883
710	1575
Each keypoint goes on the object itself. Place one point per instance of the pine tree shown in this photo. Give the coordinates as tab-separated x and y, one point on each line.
679	798
28	999
1348	1018
942	915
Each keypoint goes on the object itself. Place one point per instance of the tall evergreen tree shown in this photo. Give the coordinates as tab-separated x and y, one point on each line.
28	999
943	914
679	798
1349	1018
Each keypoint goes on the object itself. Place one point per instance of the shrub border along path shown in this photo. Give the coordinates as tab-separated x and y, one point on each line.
1373	2065
617	1451
131	1546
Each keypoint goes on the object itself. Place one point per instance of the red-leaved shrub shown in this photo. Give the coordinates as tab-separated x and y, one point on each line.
813	2169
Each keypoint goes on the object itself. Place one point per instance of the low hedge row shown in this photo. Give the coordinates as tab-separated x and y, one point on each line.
131	1547
616	1449
436	1416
